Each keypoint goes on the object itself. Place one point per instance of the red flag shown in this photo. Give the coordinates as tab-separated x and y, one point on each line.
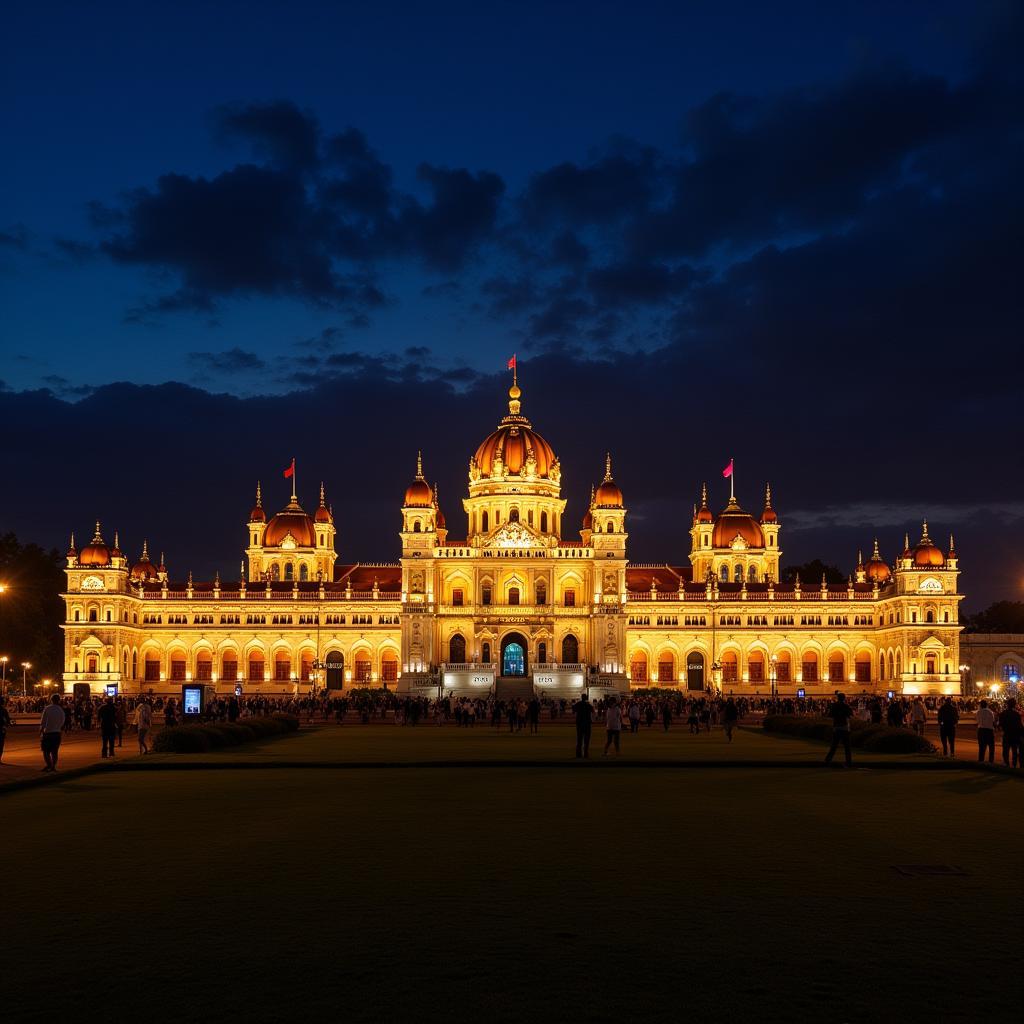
290	471
511	363
727	472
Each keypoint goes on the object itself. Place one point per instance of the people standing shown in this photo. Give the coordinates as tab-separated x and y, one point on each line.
986	720
533	714
612	726
5	724
948	717
1011	725
120	719
584	712
107	715
918	716
143	723
51	724
170	716
840	712
634	716
730	716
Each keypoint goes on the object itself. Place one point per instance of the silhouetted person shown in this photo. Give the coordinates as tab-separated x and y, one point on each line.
840	712
730	716
533	714
51	725
612	726
233	709
948	717
584	712
5	724
107	715
1010	723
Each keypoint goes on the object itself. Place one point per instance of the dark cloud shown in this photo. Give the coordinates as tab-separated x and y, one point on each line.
234	360
15	237
279	131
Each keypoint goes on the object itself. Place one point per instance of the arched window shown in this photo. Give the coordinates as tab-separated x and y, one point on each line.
930	665
483	522
542	652
611	527
275	572
289	571
570	650
78	615
543	522
92	663
229	668
457	649
569	599
810	667
485	652
92	614
836	668
542	592
303	572
666	668
417	527
513	595
738	574
256	670
724	574
730	667
513	516
929	616
135	664
752	574
638	667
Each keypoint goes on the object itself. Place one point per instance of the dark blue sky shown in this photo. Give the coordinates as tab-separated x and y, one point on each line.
786	232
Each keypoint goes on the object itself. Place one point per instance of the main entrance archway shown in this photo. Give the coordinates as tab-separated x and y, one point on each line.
335	665
695	671
513	655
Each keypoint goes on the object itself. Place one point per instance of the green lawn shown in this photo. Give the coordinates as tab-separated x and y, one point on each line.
459	894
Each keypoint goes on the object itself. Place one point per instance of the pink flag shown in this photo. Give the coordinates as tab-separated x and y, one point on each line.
728	469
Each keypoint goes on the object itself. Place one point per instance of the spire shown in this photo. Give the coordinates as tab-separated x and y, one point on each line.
704	495
216	579
607	466
116	542
875	556
860	558
767	495
435	494
419	465
145	551
241	570
906	542
72	548
322	505
98	537
925	539
952	546
162	566
259	495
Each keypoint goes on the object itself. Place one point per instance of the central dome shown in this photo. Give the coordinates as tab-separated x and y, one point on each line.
733	520
515	446
290	520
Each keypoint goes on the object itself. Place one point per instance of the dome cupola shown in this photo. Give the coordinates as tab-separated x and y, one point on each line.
768	515
143	571
418	494
608	494
257	515
927	554
96	552
323	513
876	570
514	449
733	522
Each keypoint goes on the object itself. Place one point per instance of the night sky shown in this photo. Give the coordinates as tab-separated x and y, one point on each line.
786	233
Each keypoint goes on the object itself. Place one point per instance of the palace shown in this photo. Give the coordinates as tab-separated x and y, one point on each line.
516	607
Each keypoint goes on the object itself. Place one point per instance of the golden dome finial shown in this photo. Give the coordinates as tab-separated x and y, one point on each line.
767	495
875	556
514	405
73	548
322	498
925	539
98	537
704	495
419	465
145	551
259	495
607	466
952	547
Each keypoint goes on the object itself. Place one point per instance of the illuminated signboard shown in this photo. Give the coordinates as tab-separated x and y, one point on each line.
192	698
930	585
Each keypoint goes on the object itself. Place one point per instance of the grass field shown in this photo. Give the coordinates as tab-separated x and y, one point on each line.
509	894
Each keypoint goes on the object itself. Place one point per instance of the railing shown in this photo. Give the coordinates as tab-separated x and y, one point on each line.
257	592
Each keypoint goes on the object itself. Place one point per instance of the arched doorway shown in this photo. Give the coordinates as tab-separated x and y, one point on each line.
570	650
335	665
695	671
513	655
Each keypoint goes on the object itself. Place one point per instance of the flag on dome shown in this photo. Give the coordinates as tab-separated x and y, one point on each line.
511	363
727	472
290	471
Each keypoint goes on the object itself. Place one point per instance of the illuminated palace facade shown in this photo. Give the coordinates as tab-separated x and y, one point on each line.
516	607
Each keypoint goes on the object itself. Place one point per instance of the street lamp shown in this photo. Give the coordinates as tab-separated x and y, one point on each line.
25	666
3	673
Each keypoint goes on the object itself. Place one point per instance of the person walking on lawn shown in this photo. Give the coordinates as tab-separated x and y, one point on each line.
107	715
51	725
143	723
613	726
986	720
840	712
584	712
730	716
948	716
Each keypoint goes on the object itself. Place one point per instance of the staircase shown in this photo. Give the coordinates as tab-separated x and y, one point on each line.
513	687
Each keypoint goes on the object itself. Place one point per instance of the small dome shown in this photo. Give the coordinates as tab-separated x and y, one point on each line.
290	520
732	521
95	553
418	494
323	513
926	554
143	571
877	570
608	493
516	445
257	515
703	514
769	515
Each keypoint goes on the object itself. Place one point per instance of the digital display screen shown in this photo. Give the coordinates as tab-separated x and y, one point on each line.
111	689
238	689
801	692
193	700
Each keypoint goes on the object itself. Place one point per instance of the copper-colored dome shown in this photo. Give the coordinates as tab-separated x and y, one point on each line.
257	515
322	515
732	521
588	520
95	553
290	520
608	493
877	570
419	494
143	571
703	514
768	515
514	441
926	554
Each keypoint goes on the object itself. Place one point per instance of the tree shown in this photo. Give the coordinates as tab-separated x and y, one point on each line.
31	608
1001	617
810	573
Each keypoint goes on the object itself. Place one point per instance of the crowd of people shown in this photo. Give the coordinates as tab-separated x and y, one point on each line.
111	716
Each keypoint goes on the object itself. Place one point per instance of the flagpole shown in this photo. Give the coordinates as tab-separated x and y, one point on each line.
732	478
294	495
